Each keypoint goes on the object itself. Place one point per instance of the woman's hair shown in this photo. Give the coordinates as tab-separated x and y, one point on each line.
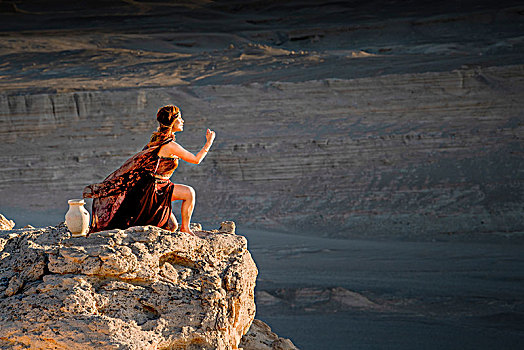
166	117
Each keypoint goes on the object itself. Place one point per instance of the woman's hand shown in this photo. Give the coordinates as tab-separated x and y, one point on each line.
210	136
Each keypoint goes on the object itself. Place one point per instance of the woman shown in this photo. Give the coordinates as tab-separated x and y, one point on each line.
140	192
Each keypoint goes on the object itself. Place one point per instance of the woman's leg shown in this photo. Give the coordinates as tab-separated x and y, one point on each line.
188	197
172	224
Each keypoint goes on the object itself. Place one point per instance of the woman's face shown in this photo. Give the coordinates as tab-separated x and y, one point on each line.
178	125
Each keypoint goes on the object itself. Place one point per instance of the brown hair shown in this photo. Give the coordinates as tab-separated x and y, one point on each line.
166	117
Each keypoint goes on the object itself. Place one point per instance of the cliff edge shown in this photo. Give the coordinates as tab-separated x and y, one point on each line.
139	288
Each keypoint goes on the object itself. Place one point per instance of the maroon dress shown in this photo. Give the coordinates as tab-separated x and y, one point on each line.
136	194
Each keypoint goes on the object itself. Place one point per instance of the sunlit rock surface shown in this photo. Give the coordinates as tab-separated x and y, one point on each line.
5	223
260	337
140	288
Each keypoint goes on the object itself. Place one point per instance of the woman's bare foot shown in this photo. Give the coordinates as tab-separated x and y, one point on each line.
187	231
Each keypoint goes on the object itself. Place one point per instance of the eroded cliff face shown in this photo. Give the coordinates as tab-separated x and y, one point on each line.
140	288
410	153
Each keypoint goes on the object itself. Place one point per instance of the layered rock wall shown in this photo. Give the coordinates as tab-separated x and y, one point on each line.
410	153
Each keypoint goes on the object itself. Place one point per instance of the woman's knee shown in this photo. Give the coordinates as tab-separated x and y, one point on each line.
184	192
191	193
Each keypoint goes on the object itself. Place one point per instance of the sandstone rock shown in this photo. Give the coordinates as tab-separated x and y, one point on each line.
195	226
260	337
140	288
227	227
6	224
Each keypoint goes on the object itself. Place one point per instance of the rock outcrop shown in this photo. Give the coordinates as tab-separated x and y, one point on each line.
260	337
140	288
6	224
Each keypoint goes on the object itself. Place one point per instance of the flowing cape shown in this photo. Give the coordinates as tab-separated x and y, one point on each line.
109	195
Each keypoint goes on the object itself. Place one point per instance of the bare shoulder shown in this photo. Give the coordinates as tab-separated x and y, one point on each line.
169	149
172	145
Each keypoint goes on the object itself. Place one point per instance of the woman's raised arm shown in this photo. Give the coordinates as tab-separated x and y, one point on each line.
174	149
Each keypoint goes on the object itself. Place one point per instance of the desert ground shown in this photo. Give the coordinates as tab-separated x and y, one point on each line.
371	151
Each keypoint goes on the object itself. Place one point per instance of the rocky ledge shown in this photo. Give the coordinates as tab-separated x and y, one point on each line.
139	288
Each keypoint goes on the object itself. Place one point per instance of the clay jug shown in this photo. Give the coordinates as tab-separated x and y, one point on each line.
77	218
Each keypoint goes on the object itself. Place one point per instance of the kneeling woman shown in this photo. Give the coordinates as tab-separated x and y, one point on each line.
140	191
